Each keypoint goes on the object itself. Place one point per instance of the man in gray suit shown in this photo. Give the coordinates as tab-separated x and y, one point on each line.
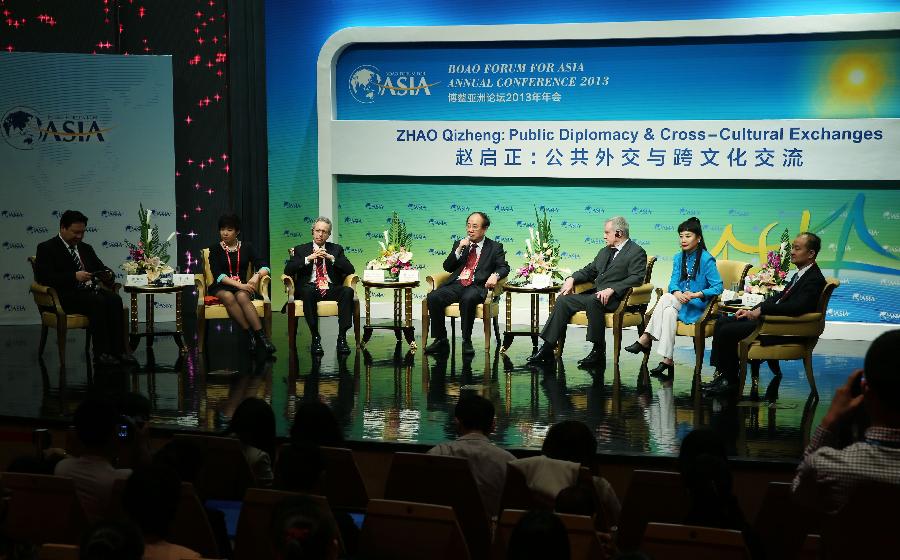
620	265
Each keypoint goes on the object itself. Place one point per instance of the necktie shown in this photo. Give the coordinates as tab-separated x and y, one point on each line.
788	288
75	258
468	272
612	255
321	279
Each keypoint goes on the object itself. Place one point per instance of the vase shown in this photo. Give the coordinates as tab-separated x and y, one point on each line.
390	277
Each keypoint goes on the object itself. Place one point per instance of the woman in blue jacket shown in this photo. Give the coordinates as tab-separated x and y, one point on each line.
695	279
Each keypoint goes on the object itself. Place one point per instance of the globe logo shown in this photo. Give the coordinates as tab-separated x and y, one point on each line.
365	82
21	128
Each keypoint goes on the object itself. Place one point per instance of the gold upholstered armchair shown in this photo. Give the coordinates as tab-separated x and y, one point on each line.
630	313
325	308
796	337
488	311
217	311
731	272
53	317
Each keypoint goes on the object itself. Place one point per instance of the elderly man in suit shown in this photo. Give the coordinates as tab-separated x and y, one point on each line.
70	266
800	295
622	264
476	264
319	268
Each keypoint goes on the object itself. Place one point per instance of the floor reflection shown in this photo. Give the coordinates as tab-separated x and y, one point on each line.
388	393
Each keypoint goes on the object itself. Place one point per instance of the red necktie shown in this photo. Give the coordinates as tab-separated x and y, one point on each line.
321	279
471	262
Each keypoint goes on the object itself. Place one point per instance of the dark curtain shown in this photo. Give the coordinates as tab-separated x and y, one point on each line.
247	119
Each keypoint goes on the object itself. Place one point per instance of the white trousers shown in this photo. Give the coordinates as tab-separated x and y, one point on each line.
663	324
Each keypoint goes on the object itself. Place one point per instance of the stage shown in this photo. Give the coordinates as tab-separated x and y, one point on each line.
388	395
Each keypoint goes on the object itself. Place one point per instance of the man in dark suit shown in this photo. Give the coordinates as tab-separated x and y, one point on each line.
800	295
622	264
73	269
475	264
319	269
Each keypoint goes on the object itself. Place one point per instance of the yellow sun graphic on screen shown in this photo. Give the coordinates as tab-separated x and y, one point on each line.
855	81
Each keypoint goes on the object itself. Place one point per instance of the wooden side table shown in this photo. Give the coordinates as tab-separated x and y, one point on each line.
150	332
509	335
402	292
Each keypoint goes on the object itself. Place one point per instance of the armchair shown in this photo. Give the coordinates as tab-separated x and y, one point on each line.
53	316
488	311
796	338
630	313
325	308
730	271
217	311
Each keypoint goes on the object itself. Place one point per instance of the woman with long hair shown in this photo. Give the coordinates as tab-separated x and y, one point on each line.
695	279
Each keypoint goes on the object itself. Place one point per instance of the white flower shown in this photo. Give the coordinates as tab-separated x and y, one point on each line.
528	244
386	242
404	256
171	235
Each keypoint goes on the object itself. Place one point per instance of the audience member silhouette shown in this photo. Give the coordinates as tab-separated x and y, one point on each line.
539	535
705	472
112	540
315	422
858	441
474	417
302	529
569	445
94	472
253	422
151	500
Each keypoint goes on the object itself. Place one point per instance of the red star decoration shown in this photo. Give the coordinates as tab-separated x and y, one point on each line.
188	120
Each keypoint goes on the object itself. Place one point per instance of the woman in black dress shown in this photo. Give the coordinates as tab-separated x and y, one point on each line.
228	260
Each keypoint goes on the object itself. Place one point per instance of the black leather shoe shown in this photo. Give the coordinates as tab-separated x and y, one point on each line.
342	347
724	388
637	348
718	379
593	358
662	370
439	346
264	342
128	359
542	355
467	348
315	347
251	342
105	359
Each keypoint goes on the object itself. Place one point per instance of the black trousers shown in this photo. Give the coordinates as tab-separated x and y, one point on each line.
468	298
569	305
310	296
106	314
726	335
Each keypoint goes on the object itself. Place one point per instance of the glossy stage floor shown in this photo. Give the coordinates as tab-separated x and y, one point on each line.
387	394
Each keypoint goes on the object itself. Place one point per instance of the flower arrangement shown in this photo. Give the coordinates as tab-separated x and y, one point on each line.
395	254
542	253
149	256
771	277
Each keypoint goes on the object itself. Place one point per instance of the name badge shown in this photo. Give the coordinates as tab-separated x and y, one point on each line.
136	280
373	275
183	279
751	299
541	280
411	275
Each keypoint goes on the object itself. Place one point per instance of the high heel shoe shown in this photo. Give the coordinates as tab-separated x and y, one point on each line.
663	369
637	348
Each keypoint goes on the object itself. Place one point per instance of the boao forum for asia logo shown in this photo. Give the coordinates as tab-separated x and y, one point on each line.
367	83
23	128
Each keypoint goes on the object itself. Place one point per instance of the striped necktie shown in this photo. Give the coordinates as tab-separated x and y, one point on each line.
75	258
